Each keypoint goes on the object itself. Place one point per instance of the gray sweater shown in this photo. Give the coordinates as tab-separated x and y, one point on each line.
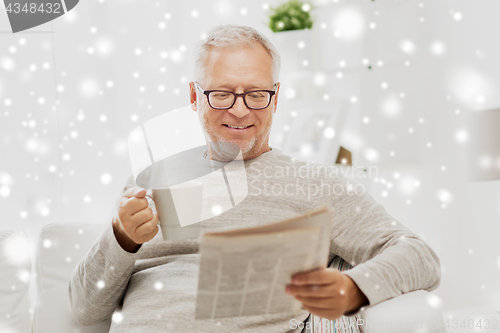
154	289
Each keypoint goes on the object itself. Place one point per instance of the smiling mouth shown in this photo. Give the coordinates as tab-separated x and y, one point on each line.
238	127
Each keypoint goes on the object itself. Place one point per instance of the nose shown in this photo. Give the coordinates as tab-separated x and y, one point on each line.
239	108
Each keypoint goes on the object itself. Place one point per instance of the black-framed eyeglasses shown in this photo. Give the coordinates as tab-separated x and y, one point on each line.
223	99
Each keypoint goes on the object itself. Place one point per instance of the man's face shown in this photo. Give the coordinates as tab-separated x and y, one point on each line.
237	69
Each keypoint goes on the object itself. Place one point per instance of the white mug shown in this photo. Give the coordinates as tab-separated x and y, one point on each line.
179	210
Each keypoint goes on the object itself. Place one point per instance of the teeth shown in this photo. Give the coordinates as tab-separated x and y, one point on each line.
236	126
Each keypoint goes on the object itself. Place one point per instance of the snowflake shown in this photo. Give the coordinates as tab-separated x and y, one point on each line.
8	64
461	135
16	250
44	211
457	16
407	46
24	275
89	87
117	317
371	155
437	48
4	191
216	209
319	79
434	301
349	24
329	133
444	196
106	178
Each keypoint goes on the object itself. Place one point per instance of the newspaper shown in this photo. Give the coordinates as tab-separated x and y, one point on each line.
244	272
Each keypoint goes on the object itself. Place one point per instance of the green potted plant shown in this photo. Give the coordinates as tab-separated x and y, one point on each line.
290	23
292	15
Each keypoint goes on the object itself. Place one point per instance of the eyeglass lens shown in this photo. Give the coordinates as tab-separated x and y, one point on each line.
255	99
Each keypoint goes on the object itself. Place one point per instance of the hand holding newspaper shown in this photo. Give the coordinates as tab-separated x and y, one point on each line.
244	272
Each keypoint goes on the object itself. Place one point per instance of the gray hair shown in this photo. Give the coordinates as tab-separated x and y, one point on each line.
232	35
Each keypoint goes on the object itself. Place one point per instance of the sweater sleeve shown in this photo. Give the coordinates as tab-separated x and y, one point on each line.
389	259
100	279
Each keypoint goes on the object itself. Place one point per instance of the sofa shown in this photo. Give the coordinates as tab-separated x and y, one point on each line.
61	246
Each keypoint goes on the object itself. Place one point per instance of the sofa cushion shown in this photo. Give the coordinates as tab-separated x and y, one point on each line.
60	248
415	311
15	277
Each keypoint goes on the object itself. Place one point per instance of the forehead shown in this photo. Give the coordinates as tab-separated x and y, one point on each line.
239	65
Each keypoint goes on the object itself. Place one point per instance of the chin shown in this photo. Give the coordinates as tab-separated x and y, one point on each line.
248	146
245	145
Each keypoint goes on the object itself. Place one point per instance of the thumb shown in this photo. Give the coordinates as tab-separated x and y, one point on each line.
137	192
141	193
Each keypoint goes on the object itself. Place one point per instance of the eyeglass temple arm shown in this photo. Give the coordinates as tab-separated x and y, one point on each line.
198	87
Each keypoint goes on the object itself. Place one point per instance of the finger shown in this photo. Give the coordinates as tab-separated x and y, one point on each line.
149	193
313	290
151	203
319	303
142	216
134	192
147	237
134	205
152	234
327	314
318	276
147	227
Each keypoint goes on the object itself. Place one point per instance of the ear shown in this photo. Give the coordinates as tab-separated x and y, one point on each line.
192	96
275	104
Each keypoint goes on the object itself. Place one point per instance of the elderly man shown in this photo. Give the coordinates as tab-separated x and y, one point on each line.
149	285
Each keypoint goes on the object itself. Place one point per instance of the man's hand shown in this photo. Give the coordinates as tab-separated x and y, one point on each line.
135	224
326	293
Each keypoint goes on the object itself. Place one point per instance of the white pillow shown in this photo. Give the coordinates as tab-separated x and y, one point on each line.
60	248
15	277
407	313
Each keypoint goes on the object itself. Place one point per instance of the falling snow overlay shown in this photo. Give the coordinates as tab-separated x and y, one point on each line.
390	80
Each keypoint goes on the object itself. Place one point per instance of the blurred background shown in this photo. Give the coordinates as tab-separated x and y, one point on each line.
389	80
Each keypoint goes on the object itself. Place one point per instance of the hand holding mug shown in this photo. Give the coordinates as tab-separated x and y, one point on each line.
136	222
